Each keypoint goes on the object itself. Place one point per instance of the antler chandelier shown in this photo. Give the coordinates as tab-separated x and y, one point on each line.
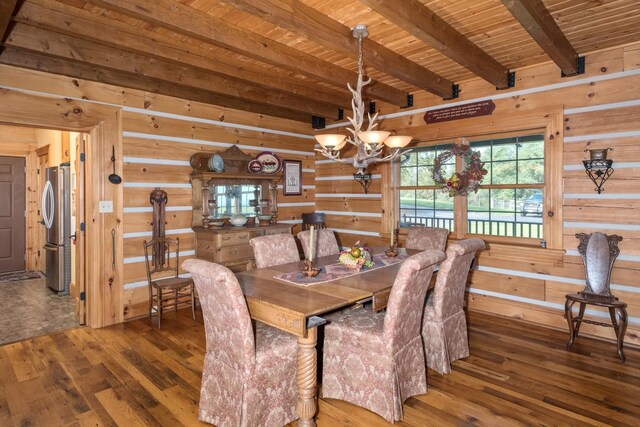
369	143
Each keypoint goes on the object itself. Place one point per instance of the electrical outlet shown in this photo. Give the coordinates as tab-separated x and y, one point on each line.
106	206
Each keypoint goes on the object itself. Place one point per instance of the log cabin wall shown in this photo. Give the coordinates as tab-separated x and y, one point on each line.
159	135
598	109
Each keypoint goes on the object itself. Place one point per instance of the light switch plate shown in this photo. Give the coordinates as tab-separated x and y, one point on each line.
106	206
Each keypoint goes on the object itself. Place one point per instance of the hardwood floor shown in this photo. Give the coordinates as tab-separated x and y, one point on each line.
134	374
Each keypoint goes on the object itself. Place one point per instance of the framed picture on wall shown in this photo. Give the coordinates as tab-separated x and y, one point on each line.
292	177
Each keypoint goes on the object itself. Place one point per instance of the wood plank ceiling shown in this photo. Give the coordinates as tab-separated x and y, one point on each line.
293	58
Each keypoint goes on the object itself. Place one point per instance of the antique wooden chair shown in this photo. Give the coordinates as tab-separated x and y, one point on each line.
249	377
598	252
314	218
376	360
444	328
427	238
325	243
274	250
167	292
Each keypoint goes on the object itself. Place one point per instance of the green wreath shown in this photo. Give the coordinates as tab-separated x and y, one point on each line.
460	183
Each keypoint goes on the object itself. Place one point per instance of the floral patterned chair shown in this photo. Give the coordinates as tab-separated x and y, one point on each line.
444	328
427	238
274	250
248	379
376	360
325	243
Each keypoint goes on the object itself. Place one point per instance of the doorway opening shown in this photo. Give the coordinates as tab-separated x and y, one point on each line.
41	213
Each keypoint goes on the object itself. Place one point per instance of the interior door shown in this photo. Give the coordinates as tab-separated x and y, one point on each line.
41	234
12	214
78	283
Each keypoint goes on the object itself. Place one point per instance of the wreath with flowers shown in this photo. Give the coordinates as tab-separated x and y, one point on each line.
460	183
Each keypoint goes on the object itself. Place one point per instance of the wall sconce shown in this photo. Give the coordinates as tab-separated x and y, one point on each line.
598	167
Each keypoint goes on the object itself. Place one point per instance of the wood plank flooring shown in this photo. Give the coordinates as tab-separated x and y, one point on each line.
134	374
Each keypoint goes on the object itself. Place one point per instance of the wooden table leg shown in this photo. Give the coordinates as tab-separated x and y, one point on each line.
307	404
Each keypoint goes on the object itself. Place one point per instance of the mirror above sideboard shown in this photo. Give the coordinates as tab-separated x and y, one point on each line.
231	189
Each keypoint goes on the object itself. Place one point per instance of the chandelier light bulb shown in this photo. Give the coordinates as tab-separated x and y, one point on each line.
398	141
373	137
331	141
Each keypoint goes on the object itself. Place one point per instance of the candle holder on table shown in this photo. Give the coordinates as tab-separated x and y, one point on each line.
392	252
309	270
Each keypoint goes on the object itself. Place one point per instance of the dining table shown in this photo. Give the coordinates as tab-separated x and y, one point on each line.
298	308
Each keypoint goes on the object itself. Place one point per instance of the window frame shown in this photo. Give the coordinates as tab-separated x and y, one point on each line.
548	124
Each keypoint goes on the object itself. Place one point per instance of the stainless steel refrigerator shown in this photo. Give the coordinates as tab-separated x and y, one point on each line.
56	216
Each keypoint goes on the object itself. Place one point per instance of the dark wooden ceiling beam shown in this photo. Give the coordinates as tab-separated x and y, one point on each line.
536	19
306	21
418	20
83	71
6	12
185	20
82	23
71	48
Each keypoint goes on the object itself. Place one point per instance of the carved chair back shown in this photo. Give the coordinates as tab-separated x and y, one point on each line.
598	252
161	259
314	218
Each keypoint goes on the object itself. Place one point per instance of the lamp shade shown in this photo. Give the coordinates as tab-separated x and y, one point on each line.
397	141
373	136
331	141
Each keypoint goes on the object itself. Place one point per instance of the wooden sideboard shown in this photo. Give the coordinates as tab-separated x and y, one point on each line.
230	246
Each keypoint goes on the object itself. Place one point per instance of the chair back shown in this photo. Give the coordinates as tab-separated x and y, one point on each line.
160	259
274	250
405	307
325	243
451	281
314	218
598	252
427	238
227	323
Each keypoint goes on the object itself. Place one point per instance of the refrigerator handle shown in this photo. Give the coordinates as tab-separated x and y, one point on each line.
47	209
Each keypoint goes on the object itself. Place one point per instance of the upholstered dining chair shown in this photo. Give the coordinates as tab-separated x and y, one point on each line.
598	252
313	218
167	292
325	243
426	238
274	250
444	328
376	360
248	378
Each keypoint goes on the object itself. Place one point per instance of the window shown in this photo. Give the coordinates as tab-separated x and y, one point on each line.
509	204
510	201
421	202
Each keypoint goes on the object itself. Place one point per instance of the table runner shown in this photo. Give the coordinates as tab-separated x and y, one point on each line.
338	271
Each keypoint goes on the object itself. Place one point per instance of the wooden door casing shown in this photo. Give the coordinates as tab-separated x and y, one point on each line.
78	285
12	214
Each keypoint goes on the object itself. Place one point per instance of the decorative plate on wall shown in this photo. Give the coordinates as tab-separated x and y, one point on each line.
255	166
216	163
271	163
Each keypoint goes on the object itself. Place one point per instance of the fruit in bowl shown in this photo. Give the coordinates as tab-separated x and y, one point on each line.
356	257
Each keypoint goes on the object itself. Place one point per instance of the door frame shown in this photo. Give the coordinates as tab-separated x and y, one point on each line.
103	123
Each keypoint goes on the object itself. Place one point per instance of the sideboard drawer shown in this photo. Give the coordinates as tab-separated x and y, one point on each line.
284	230
235	253
231	239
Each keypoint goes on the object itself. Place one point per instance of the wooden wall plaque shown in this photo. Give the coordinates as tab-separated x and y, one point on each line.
474	109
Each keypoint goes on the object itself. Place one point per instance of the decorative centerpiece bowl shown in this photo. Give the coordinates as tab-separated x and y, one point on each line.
356	257
238	220
217	223
264	219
